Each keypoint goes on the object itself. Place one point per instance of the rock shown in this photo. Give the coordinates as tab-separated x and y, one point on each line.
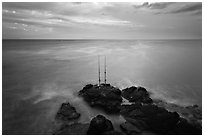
163	123
127	109
159	119
156	118
149	109
147	100
130	129
67	112
105	96
99	125
191	113
73	129
139	123
117	92
192	107
185	128
147	132
136	94
113	132
88	86
195	106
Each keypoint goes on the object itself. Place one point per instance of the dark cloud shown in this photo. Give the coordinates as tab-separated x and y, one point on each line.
28	5
161	5
198	12
189	8
172	7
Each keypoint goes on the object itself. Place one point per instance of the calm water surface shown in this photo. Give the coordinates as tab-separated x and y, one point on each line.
39	75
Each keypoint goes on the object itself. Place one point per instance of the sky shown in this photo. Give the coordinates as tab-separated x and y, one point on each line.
96	20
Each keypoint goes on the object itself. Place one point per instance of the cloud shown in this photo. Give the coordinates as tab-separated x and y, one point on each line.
161	5
197	7
59	15
29	5
104	19
76	12
100	21
170	7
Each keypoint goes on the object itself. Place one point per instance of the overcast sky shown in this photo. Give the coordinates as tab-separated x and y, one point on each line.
102	20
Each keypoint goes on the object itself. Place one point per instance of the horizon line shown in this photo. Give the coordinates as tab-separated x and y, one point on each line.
101	39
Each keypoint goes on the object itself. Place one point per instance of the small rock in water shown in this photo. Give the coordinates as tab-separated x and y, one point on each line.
67	112
99	125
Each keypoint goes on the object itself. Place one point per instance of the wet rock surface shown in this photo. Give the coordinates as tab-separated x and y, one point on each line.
67	112
157	119
191	113
100	125
67	119
73	129
130	129
136	94
185	128
104	96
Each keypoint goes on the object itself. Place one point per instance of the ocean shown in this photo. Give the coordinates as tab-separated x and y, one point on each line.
38	75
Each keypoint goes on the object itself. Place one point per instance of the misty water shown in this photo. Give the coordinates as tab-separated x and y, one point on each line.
38	75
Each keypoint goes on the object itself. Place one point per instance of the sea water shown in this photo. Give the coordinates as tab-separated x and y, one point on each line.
38	75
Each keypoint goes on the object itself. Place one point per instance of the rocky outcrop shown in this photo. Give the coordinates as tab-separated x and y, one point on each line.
185	128
67	112
113	132
73	129
193	114
157	119
130	129
104	96
153	117
100	125
67	121
143	116
136	94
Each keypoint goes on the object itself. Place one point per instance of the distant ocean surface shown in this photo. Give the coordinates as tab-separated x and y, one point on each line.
38	75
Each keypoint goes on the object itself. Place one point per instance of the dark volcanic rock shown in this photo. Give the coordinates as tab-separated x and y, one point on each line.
139	123
73	129
99	125
88	86
126	110
136	94
185	128
112	132
105	96
67	112
193	114
130	129
142	116
158	119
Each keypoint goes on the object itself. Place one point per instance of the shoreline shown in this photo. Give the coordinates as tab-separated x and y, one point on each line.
104	99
